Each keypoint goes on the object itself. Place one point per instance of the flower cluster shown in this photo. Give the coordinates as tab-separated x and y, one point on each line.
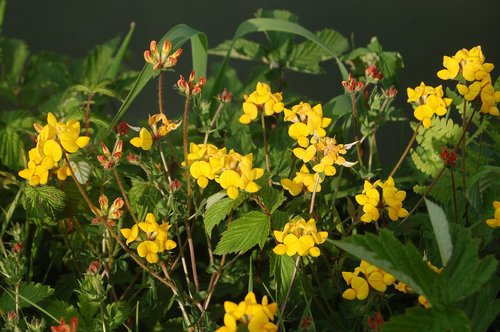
317	149
428	101
351	85
262	99
471	65
373	74
299	237
110	159
449	157
392	200
249	315
146	138
110	214
162	59
54	142
495	222
154	240
359	284
190	88
231	170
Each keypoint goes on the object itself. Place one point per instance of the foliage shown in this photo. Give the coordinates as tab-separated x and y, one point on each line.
255	193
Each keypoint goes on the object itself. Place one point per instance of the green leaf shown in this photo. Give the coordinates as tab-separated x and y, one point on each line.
143	196
42	203
272	198
429	320
484	178
244	233
11	148
465	272
178	35
115	64
281	268
385	251
441	231
33	292
82	170
218	211
116	314
482	308
61	309
98	61
13	55
338	106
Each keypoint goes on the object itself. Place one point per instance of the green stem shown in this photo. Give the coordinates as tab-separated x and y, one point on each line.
87	113
289	291
212	123
125	196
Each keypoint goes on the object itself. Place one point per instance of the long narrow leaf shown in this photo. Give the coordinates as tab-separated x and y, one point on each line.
178	35
118	58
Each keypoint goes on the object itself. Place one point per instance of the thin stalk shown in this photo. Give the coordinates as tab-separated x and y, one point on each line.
176	293
454	188
464	178
165	165
405	152
160	92
356	130
17	297
211	287
313	197
289	291
87	112
264	137
189	196
212	123
124	194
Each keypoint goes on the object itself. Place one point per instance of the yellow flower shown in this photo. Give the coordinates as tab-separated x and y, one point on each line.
230	180
469	92
299	237
130	234
149	249
359	287
495	222
201	171
452	68
423	301
262	99
143	141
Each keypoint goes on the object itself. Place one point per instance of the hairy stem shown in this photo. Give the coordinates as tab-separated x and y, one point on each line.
160	92
264	137
212	123
87	112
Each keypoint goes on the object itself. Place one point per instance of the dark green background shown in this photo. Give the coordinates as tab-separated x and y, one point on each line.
422	31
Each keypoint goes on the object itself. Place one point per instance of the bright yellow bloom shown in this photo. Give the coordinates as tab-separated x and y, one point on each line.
143	141
249	315
262	99
428	101
359	287
373	276
149	249
495	222
452	67
299	237
130	234
230	180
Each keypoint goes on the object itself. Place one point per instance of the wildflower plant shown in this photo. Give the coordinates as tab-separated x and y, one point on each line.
170	221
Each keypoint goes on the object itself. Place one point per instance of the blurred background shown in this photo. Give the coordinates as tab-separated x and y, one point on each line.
422	31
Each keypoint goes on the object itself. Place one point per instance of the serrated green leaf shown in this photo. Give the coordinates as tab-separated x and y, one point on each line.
42	203
429	320
272	198
61	309
482	308
244	233
465	272
404	262
11	148
116	314
34	292
98	61
17	119
441	231
218	211
82	170
484	178
143	196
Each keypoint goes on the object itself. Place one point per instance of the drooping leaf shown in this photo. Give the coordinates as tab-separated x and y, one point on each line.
13	55
441	231
429	320
244	233
42	204
98	61
482	308
404	262
338	106
484	178
218	211
116	62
